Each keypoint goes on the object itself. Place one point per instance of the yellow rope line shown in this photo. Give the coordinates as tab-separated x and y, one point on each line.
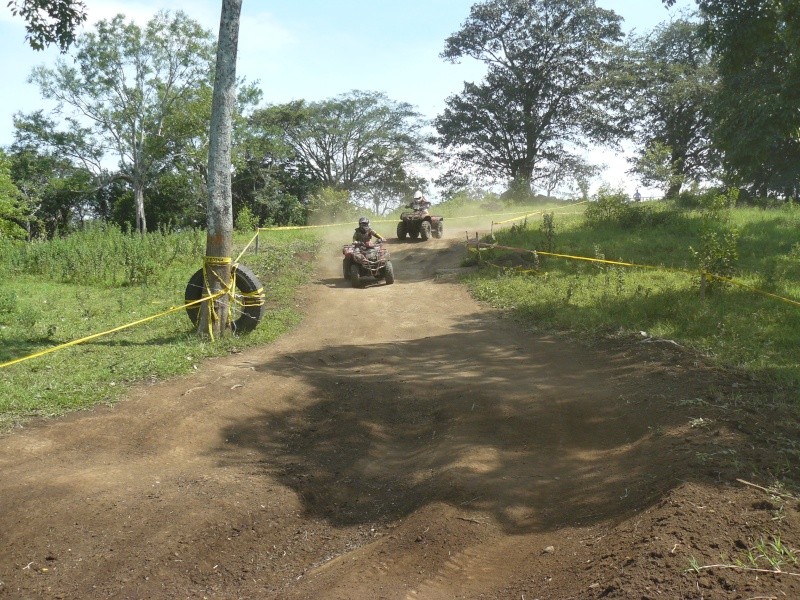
537	213
641	266
289	227
254	298
752	289
104	333
252	239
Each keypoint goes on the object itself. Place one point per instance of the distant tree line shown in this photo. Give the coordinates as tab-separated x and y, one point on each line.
709	98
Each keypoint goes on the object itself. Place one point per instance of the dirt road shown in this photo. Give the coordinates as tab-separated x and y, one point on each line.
404	442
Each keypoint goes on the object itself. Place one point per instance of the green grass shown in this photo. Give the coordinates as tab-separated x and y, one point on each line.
733	325
43	307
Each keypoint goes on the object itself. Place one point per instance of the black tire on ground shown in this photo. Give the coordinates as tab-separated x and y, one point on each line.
248	308
425	230
413	233
401	230
438	231
388	273
346	268
355	276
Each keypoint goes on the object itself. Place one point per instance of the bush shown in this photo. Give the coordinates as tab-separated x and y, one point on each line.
246	220
331	206
717	255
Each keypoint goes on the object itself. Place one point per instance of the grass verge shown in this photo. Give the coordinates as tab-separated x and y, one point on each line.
732	325
48	306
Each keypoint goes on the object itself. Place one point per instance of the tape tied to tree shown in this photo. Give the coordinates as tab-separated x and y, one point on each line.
227	288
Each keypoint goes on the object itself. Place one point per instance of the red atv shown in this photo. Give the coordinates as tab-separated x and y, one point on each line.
419	223
369	259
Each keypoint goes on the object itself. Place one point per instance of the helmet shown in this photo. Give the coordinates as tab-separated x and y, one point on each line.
418	195
363	222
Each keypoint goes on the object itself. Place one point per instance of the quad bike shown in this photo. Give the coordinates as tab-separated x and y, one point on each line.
419	223
366	260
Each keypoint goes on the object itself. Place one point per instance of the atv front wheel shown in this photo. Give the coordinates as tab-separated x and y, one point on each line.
388	273
346	268
425	231
438	230
401	230
355	276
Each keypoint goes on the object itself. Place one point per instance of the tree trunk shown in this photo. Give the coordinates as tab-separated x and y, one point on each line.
674	190
138	200
219	239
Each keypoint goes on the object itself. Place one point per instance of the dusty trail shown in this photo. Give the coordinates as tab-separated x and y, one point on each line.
404	442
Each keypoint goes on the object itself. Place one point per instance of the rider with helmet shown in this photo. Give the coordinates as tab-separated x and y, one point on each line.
420	202
364	233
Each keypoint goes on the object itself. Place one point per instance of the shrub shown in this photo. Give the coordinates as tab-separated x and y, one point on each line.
331	206
608	207
717	255
246	220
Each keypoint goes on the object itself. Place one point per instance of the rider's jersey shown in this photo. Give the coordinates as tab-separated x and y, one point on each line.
360	236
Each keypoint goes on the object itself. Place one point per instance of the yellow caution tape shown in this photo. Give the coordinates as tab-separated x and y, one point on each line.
641	266
252	239
538	212
227	287
104	333
752	289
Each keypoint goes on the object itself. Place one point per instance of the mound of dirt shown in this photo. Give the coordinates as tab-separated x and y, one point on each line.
406	442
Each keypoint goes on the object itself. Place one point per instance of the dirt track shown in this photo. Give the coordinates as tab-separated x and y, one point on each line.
403	442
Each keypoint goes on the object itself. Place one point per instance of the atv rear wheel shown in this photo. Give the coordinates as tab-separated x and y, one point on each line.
355	276
346	268
388	273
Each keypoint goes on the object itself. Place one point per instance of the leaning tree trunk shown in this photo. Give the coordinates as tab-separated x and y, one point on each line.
219	239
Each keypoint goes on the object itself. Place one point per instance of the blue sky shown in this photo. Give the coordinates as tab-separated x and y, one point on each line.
317	49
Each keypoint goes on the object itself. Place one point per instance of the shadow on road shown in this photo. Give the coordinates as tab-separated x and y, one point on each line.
535	432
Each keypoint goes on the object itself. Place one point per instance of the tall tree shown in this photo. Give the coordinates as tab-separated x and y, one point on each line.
125	90
545	59
11	213
358	142
269	179
219	235
756	45
671	83
55	194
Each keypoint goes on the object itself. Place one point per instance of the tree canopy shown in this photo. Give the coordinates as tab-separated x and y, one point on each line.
671	82
541	94
757	120
49	21
11	214
360	142
140	96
